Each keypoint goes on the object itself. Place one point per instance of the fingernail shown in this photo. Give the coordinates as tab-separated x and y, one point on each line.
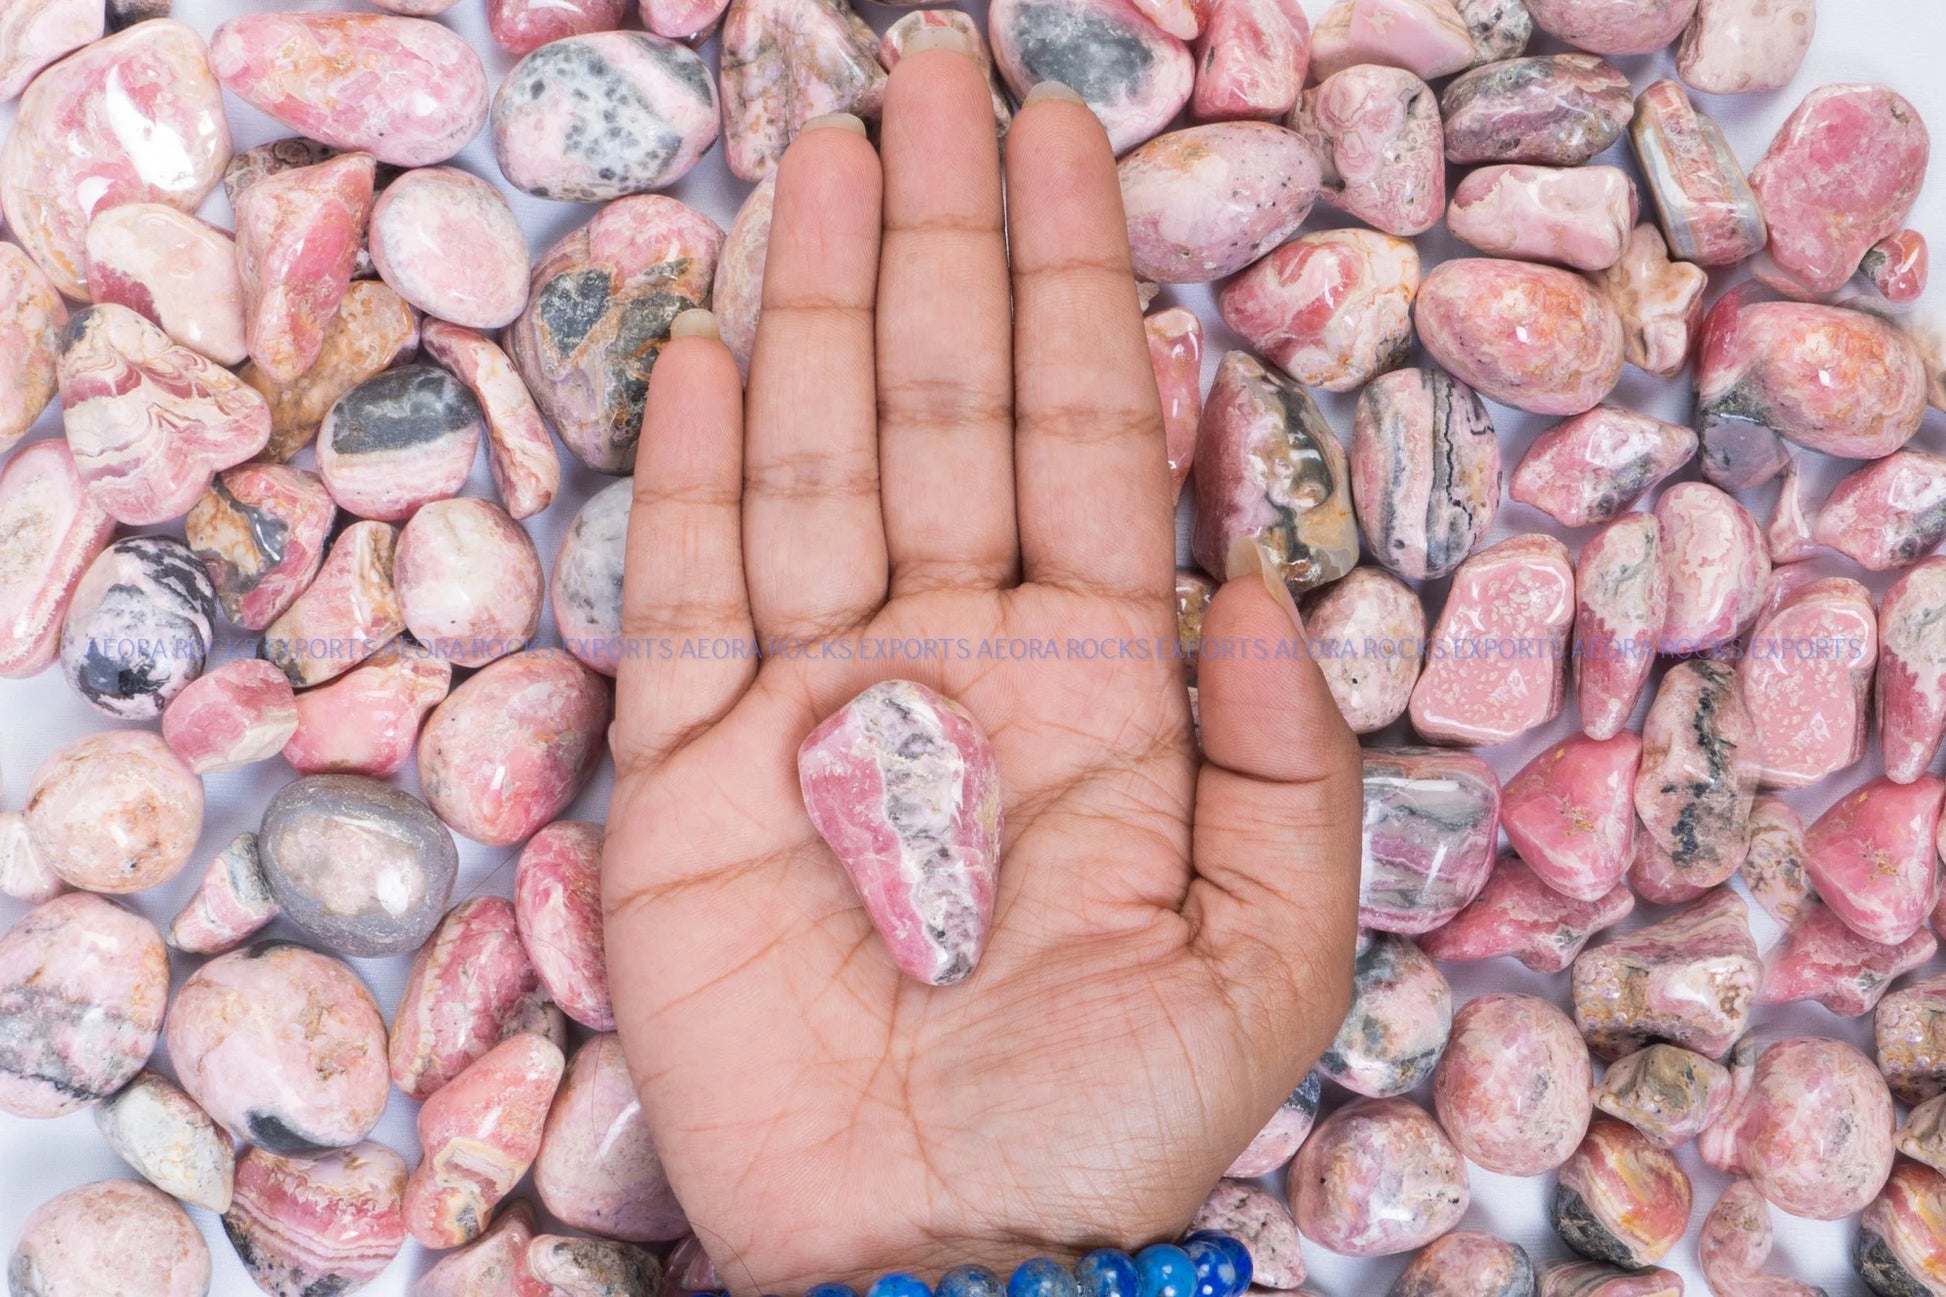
944	36
1280	590
1052	90
694	324
836	122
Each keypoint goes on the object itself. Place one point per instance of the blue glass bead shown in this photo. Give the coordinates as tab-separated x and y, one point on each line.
1042	1278
1238	1250
1222	1264
898	1285
1167	1271
832	1290
1109	1272
970	1281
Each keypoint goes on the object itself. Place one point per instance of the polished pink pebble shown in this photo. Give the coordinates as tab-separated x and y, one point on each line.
1430	821
1175	339
32	316
1736	1241
525	465
1251	61
1135	76
1331	308
1667	1092
471	986
407	91
329	1223
1613	26
1375	625
1871	857
1621	1197
522	26
1922	1135
54	530
1599	1279
1621	601
400	440
1807	682
1535	337
1400	1019
1717	561
1910	1030
298	235
1205	202
175	271
1898	265
1690	979
1594	466
367	721
447	242
512	746
1821	959
233	902
115	812
24	876
1495	658
1514	1087
1660	302
1774	871
786	62
1517	914
260	532
1377	132
241	713
1902	1235
1467	1264
1814	1130
1425	471
1740	46
1888	513
1912	670
373	330
1701	195
1554	109
350	611
1427	38
480	1133
1287	1129
557	907
493	1265
1698	777
34	35
1376	1178
1570	815
1261	1222
598	1169
162	1132
93	1241
469	580
1580	217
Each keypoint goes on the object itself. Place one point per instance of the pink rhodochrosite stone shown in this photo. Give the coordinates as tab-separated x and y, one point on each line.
1281	1136
1888	513
161	1132
1739	46
1517	914
1425	471
1699	772
598	315
1175	338
1272	482
1554	109
1843	172
1538	338
403	439
786	62
1501	29
1376	625
480	1133
1465	1264
373	330
903	785
1621	601
1704	201
54	529
1900	1245
1599	1279
1910	1031
1427	38
367	721
1133	75
1331	308
586	591
1807	682
260	532
591	1267
298	234
1431	819
1897	265
557	907
1912	670
1789	530
1660	302
1690	980
135	118
1376	1178
513	745
1183	19
150	422
737	298
471	986
82	988
520	450
233	902
1251	61
32	317
1494	661
1613	26
494	1265
1401	1016
1261	1222
407	91
597	1169
1572	216
1814	1131
24	876
891	48
1717	563
1666	1092
241	713
522	26
1871	857
1821	959
469	580
1205	202
115	812
34	35
1922	1136
1513	1088
175	271
94	1239
1377	133
1569	813
1774	871
348	613
1621	1198
448	243
1594	466
310	1224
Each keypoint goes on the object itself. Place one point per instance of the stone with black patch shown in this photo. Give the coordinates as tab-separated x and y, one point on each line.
139	627
399	440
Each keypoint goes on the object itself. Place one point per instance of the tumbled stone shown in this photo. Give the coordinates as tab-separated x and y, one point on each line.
1621	1198
1806	674
1377	1177
138	627
1599	1279
928	882
1500	29
1494	661
1425	471
1431	819
1821	959
480	1133
1922	1135
172	269
1193	594
689	1269
592	1267
1660	302
1574	216
1888	513
1912	670
239	714
135	118
1871	857
1666	1092
97	1239
329	1223
283	1047
150	422
1258	1220
1569	814
1535	337
32	319
522	26
1427	38
115	812
891	47
35	35
298	234
520	450
512	746
1738	46
1401	1015
1774	871
349	612
1134	76
586	590
1513	1087
1702	199
162	1132
1717	563
399	440
367	721
1897	265
1814	1132
737	298
557	907
599	313
1698	777
1553	109
1901	1245
1251	61
233	902
1690	979
1331	308
373	330
407	91
1281	1136
597	1169
24	876
1735	1243
55	530
471	986
786	62
260	532
1910	1030
82	988
1622	596
494	1265
1377	133
1788	532
1613	26
1842	173
1272	482
1519	915
1205	202
1175	339
469	580
448	243
1592	467
1376	626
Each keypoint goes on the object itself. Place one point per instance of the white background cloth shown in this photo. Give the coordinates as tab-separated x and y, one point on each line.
1898	42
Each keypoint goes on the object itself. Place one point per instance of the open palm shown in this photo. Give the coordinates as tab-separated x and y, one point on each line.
940	448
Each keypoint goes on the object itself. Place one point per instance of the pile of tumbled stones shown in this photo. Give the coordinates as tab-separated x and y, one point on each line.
377	309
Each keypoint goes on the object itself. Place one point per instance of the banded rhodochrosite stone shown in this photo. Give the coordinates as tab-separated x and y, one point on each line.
1774	871
373	330
54	529
24	876
470	581
1717	562
592	1267
138	627
260	532
471	986
1517	914
349	612
1377	133
1205	202
1251	61
493	1265
1585	471
1821	959
173	270
328	1223
1287	1128
232	903
241	713
522	26
1535	337
1660	302
1175	339
557	909
1599	1279
402	439
1425	37
1613	26
32	318
786	62
1400	1018
1331	308
1466	1264
1814	1130
1871	857
115	812
298	235
283	1047
1690	980
1739	46
135	118
1705	203
1807	682
737	297
1909	1029
1376	626
1425	471
1621	1198
83	983
448	243
520	450
1553	109
1665	1091
903	785
1698	777
367	721
1897	265
1431	819
1569	813
1133	75
1887	513
480	1133
598	314
598	1169
1912	670
95	1239
1573	216
1900	1248
162	1132
1513	1088
1377	1177
34	35
407	91
1260	1221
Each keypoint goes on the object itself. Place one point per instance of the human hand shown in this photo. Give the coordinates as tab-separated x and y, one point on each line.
936	448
